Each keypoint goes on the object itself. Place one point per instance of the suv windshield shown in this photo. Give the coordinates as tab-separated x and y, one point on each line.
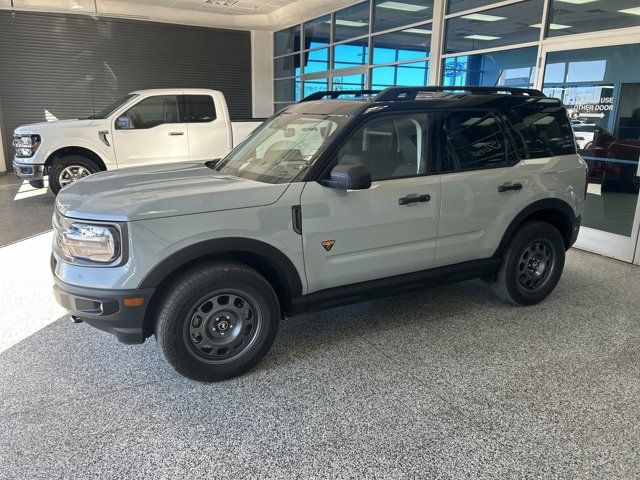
111	108
281	148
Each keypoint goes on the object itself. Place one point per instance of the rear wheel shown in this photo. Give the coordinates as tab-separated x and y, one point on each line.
69	169
217	321
532	264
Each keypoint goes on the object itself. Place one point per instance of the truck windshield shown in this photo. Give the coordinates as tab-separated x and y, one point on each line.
111	108
281	148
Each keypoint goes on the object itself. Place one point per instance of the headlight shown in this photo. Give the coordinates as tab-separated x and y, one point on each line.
86	242
26	145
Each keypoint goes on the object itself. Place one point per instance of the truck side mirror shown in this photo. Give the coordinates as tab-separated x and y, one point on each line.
349	177
124	123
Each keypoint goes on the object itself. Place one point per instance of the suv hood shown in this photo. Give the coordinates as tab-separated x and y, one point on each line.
140	193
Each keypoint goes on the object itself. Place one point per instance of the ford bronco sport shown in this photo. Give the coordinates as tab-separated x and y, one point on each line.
330	201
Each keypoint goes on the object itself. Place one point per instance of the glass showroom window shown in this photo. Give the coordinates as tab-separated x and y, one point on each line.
409	44
408	74
351	22
286	41
352	54
568	17
349	82
511	68
316	60
601	90
391	14
514	24
316	85
317	33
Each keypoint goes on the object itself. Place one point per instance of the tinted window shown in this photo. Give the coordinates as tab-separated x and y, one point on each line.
317	33
571	17
351	22
153	111
542	131
475	140
390	147
286	41
200	108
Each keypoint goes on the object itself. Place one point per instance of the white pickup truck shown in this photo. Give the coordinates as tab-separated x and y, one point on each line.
145	127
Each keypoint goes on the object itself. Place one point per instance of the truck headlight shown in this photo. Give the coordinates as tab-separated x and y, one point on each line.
26	145
79	242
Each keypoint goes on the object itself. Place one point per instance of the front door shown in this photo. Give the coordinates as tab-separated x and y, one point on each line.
151	132
209	133
389	229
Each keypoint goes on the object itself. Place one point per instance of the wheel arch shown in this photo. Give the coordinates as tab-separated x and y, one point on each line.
266	259
551	210
75	150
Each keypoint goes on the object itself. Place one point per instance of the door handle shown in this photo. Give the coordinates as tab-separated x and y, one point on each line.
413	198
176	134
509	186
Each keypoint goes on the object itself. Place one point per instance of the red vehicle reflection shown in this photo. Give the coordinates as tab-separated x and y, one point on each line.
613	161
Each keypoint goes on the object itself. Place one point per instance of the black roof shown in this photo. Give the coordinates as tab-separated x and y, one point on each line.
410	98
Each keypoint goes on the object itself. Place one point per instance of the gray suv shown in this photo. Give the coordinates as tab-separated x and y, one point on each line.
341	197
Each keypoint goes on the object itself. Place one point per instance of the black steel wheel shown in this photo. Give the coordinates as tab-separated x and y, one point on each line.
217	321
531	265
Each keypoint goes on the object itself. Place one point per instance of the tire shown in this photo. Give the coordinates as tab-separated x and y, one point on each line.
36	183
62	166
532	264
208	338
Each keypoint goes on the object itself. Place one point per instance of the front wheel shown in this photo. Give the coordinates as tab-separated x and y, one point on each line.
217	321
69	169
532	264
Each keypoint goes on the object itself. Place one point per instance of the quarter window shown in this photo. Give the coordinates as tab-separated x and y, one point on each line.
390	147
150	112
475	140
199	108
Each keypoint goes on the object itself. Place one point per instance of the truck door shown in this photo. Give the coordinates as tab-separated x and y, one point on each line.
209	130
389	229
151	132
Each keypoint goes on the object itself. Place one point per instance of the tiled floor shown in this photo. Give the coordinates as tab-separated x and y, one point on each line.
442	383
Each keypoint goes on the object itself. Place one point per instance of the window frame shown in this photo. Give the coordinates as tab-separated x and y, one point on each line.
430	151
181	112
442	140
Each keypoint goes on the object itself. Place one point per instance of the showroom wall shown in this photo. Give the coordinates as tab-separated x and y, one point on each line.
68	66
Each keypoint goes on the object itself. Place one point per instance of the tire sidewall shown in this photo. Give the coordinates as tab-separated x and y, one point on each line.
176	311
531	233
70	160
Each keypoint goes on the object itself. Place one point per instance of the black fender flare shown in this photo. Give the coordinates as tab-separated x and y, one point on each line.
281	264
545	204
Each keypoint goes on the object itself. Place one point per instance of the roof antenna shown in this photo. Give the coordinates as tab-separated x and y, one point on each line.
13	10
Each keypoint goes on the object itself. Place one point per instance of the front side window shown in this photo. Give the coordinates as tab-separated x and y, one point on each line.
475	140
114	106
150	112
281	148
199	108
390	146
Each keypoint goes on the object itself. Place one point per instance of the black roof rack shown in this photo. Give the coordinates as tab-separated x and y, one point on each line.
333	94
410	93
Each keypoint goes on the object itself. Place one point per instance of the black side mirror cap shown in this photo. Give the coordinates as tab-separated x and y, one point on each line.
349	177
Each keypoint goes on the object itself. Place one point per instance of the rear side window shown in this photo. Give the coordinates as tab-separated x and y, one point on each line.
475	140
541	131
199	109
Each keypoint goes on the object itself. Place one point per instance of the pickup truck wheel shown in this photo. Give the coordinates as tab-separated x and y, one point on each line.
217	321
68	169
532	264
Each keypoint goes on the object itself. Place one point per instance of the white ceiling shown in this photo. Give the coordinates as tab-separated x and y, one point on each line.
239	14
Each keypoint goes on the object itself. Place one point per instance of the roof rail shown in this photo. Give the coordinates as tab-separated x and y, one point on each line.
410	93
333	94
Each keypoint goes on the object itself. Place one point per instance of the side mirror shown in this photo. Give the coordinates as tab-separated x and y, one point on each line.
349	177
124	123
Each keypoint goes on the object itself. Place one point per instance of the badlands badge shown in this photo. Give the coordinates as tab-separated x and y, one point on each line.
328	244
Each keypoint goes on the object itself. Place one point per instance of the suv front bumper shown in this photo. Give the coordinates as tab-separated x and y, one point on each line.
28	171
105	309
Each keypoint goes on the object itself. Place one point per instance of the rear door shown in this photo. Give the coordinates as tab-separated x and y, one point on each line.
151	132
209	132
389	229
484	185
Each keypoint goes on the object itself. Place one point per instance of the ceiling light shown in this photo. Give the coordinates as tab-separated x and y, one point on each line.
407	7
631	11
577	2
483	18
481	37
350	23
552	26
418	30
